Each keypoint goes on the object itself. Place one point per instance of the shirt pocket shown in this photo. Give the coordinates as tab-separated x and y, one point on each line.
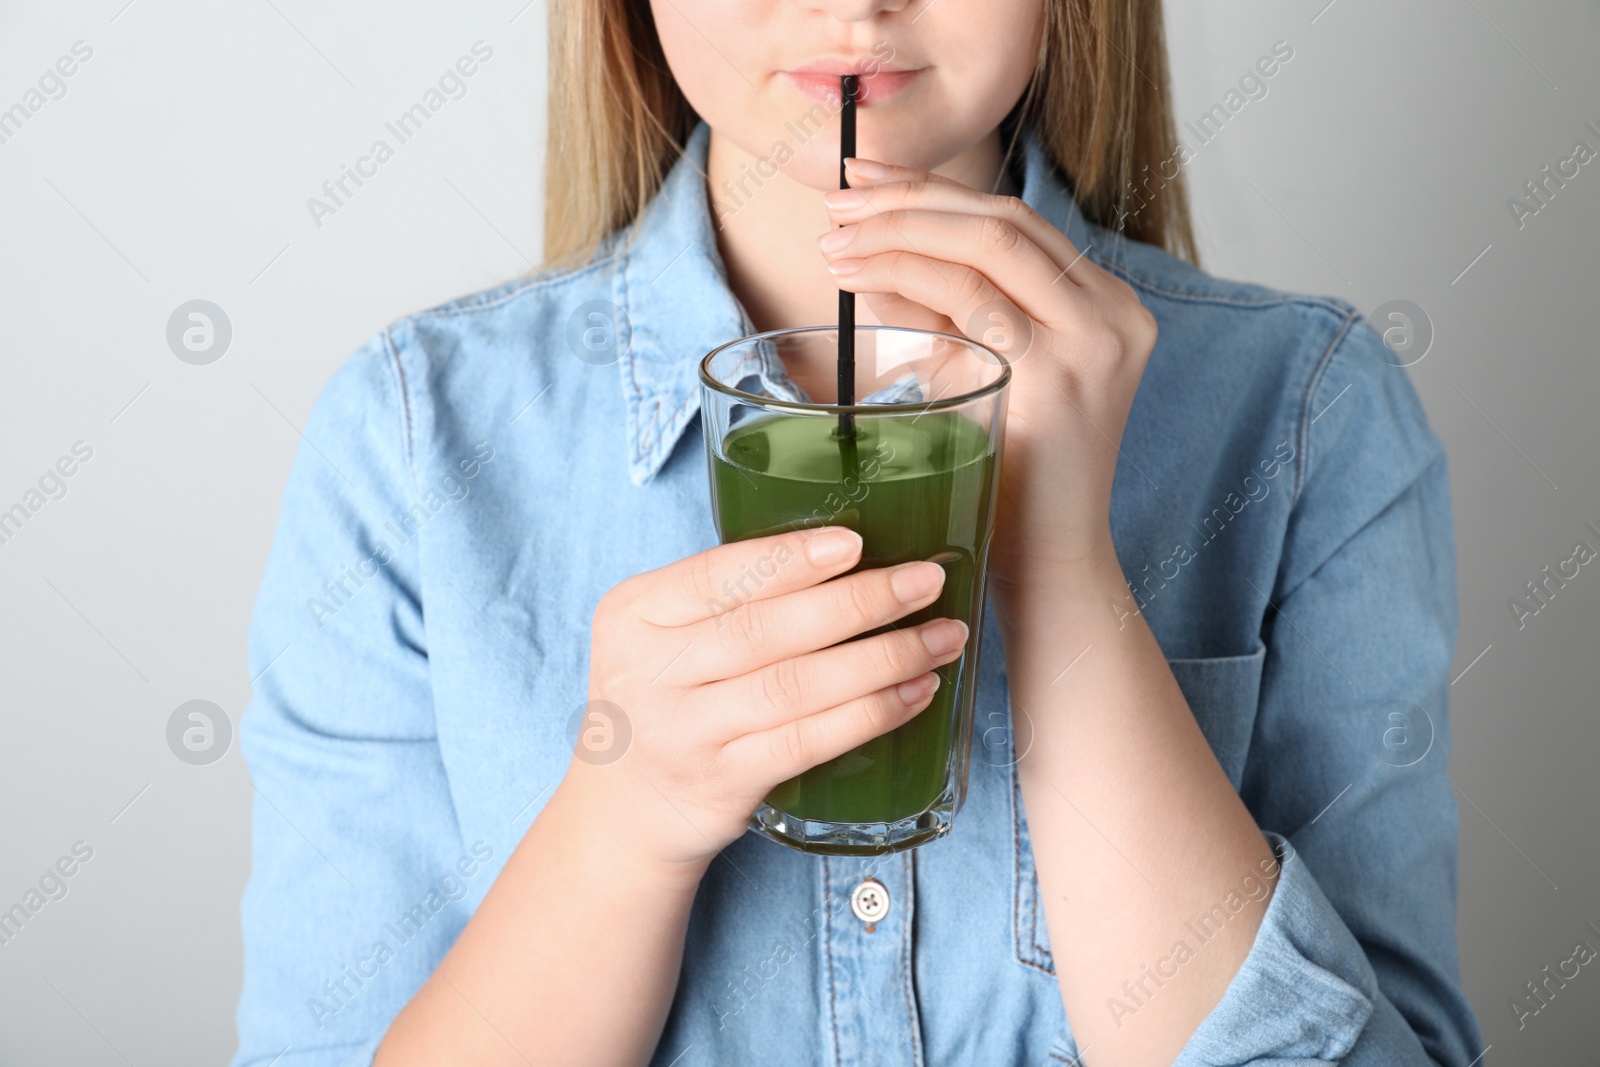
1222	693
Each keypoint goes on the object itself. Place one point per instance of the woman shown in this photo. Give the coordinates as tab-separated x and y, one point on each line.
1222	604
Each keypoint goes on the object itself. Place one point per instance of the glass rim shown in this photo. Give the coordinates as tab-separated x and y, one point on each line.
1000	382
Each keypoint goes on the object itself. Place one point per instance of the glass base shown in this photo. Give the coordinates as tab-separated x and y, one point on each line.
854	838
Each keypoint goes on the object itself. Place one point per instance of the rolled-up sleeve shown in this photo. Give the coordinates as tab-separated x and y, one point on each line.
359	879
1355	961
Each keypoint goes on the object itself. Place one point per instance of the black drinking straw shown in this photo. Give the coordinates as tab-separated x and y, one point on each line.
847	299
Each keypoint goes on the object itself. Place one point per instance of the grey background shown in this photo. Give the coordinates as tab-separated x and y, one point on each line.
177	167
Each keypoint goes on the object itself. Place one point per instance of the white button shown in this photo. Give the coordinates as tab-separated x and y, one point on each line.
870	901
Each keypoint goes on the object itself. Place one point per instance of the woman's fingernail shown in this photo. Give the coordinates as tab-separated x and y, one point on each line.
913	581
842	199
833	545
845	266
944	636
917	689
834	240
867	168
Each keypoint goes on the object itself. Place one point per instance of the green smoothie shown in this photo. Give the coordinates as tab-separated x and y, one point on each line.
917	486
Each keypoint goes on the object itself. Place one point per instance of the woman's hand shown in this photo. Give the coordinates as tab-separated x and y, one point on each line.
930	252
1118	725
724	700
729	668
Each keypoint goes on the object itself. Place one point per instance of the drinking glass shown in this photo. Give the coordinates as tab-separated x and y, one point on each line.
913	466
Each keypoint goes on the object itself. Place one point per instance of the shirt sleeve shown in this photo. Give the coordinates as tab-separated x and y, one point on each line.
1355	961
359	873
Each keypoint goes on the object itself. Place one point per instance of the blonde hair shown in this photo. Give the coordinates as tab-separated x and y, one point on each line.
1099	102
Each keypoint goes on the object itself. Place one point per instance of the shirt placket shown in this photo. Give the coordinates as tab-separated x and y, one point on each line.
867	945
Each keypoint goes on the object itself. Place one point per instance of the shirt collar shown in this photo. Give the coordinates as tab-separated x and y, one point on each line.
673	290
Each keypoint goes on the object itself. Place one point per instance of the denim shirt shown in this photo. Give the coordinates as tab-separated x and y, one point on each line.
476	476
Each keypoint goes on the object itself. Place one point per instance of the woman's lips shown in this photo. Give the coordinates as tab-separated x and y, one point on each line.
871	89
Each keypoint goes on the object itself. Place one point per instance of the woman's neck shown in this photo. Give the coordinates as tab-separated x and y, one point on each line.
767	232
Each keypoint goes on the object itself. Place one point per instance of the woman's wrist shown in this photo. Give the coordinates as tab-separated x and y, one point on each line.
598	825
1049	591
